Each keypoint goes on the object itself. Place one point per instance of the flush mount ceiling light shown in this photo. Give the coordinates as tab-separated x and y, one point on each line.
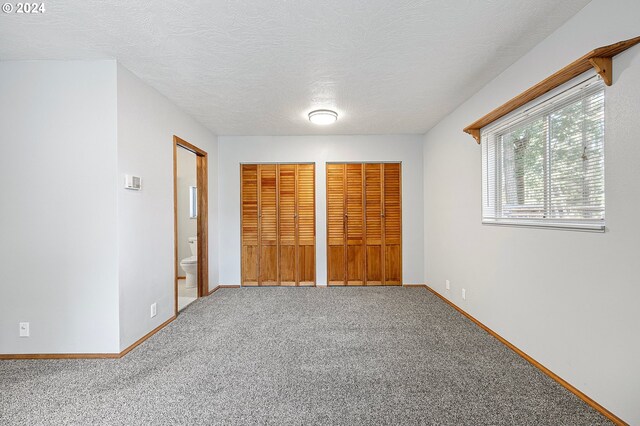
323	116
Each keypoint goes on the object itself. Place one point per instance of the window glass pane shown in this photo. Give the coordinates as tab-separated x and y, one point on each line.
577	160
193	202
523	164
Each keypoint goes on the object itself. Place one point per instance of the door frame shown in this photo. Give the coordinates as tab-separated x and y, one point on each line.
364	284
202	226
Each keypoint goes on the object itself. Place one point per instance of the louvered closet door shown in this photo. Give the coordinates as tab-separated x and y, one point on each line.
249	219
287	219
392	222
374	234
278	224
336	231
306	217
268	215
355	224
364	224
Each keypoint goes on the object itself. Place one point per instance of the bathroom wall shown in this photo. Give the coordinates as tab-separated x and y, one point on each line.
569	299
321	149
147	122
187	227
58	215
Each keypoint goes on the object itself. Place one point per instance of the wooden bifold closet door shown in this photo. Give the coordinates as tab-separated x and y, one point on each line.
364	224
278	224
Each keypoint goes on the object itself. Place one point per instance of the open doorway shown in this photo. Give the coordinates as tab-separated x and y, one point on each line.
190	223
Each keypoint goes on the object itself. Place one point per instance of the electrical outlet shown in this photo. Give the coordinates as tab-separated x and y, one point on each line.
24	329
464	294
448	285
154	309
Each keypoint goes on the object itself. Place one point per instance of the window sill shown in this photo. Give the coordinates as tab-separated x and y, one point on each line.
562	226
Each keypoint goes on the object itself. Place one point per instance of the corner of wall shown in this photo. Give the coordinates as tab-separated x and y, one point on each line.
147	123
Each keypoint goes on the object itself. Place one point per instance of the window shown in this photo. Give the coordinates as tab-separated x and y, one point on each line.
193	202
543	165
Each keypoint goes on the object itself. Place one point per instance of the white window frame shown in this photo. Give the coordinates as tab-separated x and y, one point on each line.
525	113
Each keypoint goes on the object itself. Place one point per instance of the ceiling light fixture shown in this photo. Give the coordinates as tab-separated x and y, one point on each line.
323	116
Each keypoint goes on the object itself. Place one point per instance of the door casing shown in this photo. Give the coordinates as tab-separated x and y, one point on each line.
202	226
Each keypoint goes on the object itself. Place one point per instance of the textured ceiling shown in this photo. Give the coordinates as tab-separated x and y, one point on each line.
258	67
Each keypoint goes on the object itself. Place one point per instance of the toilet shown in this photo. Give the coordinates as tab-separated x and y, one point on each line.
190	264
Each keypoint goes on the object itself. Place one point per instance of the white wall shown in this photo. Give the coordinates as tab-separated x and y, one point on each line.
187	227
83	258
147	122
234	150
58	218
569	299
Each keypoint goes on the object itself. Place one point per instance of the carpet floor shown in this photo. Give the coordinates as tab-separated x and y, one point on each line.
349	356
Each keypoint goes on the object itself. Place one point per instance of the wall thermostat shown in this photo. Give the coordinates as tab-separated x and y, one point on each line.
133	182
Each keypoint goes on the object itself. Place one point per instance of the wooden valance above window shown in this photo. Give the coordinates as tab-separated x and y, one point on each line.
600	59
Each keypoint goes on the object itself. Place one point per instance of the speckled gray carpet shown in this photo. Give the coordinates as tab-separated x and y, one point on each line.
298	356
